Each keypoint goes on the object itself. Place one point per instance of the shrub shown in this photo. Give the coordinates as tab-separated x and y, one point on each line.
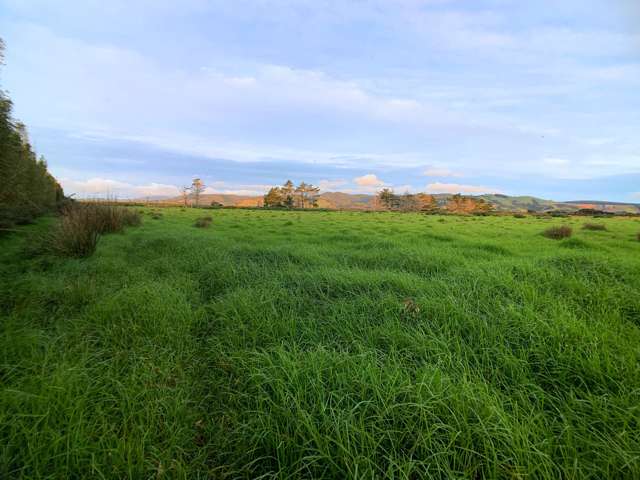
558	233
81	225
76	235
594	226
131	218
203	222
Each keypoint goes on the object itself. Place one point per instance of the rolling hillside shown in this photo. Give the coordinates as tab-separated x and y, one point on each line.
349	201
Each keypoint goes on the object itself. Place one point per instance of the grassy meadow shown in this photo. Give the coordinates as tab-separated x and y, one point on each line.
337	345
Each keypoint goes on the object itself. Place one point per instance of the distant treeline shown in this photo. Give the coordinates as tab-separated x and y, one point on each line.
288	195
306	196
27	189
426	203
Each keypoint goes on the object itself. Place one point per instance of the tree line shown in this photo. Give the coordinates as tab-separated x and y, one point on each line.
422	202
288	195
27	189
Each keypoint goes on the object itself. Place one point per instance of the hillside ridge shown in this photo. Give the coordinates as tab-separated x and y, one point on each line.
364	201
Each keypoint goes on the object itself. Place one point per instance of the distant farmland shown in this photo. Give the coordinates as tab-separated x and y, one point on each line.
274	344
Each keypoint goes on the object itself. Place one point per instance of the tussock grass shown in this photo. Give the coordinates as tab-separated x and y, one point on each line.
79	227
557	233
203	222
595	226
347	345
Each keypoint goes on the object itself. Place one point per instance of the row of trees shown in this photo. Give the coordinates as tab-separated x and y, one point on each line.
288	195
422	202
408	202
27	189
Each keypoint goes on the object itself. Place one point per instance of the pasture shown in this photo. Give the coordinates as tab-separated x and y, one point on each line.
279	344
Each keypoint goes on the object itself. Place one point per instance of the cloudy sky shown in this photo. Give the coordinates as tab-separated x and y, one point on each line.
136	97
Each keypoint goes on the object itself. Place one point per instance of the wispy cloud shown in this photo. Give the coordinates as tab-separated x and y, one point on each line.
440	172
104	187
330	185
458	188
236	89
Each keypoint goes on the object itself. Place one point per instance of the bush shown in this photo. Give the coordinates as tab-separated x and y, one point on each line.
131	218
203	222
76	235
594	226
103	218
558	233
81	225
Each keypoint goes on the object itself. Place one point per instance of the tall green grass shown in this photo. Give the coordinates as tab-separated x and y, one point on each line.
325	345
80	226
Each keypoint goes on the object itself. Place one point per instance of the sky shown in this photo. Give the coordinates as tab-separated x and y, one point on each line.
135	98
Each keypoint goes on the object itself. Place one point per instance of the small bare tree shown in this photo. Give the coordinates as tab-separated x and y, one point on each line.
184	192
197	187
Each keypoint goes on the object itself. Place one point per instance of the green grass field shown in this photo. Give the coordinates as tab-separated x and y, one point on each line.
324	345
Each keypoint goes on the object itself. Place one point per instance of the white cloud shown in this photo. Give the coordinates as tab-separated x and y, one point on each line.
368	180
404	189
555	161
238	109
440	172
458	188
105	187
330	185
156	189
231	188
635	195
99	186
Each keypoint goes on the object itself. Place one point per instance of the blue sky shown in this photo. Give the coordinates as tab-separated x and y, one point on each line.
135	98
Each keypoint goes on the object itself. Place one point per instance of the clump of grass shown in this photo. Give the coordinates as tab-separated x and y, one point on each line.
76	235
594	226
156	215
638	236
80	226
203	222
558	233
131	218
519	215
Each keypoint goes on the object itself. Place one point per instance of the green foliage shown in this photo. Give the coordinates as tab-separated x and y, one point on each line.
303	196
274	198
557	233
26	187
355	345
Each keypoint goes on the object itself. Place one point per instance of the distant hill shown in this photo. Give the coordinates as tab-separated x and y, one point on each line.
359	201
